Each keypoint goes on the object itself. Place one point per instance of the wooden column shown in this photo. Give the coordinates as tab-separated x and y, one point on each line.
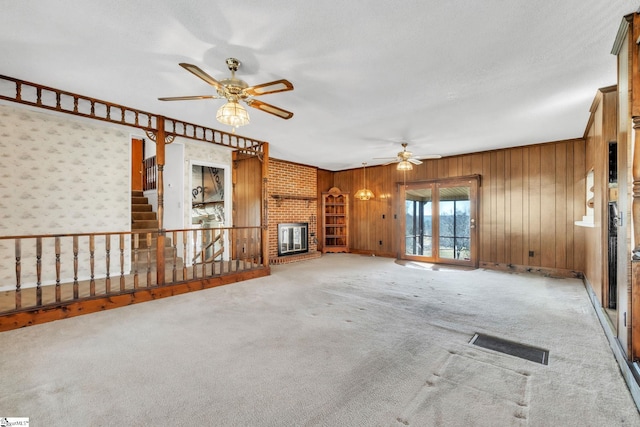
634	289
635	170
160	160
265	204
633	319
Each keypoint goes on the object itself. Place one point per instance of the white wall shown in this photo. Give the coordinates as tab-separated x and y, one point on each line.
173	189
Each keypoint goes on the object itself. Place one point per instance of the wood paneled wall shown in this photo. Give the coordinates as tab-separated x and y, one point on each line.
529	198
247	190
601	130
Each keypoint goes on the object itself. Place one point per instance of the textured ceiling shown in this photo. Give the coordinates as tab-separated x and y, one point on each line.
447	77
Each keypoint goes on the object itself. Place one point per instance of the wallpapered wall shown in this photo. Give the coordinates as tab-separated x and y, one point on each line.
59	176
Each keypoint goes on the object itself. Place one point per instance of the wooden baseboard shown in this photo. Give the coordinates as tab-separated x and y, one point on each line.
544	271
373	253
35	316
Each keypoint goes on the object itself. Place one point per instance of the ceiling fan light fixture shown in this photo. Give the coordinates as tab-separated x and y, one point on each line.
232	114
404	166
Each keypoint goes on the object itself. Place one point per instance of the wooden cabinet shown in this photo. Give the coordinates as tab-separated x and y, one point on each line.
335	221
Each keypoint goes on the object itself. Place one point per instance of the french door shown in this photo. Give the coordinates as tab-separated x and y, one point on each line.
440	221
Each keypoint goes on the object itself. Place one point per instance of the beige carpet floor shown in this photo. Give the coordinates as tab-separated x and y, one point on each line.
343	340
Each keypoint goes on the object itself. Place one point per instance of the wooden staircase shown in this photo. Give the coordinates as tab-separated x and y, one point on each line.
144	220
142	216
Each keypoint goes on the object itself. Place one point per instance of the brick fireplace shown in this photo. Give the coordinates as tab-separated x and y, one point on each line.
292	199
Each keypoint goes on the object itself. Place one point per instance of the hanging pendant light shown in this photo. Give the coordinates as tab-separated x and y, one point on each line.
364	193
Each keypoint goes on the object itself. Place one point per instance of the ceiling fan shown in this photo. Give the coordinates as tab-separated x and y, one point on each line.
234	90
405	157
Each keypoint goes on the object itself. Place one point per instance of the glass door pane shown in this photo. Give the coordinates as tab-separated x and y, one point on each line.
440	221
454	216
418	222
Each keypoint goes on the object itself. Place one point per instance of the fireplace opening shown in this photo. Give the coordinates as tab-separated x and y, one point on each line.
293	238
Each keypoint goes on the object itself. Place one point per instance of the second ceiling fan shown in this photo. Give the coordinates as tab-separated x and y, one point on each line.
235	90
405	158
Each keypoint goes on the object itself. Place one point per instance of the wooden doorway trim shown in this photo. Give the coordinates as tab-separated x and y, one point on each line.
473	182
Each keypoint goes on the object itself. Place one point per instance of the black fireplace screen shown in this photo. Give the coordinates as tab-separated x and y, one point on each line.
293	238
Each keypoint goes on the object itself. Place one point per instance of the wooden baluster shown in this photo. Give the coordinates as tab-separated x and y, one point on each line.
107	247
232	237
122	262
243	239
212	234
57	245
252	248
75	268
216	238
174	251
39	271
136	242
18	274
239	250
92	250
203	258
195	249
259	247
149	258
184	254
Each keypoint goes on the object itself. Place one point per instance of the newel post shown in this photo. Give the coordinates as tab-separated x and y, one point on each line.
160	161
265	205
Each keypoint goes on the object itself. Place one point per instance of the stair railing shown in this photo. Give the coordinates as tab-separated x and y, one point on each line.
50	271
150	174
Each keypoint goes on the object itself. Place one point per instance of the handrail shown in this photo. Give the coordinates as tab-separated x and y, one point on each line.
56	269
37	95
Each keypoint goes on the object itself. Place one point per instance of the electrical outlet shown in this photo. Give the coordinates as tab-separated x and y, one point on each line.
531	253
380	241
383	216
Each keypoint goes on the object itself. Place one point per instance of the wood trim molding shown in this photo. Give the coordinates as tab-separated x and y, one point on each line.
28	317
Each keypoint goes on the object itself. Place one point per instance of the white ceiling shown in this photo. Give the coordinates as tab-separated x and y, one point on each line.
448	77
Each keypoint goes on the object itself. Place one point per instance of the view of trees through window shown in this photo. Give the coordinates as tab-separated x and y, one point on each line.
454	223
455	229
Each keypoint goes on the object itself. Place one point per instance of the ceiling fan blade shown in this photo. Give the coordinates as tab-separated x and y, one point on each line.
188	98
430	156
271	87
384	158
204	76
268	108
414	161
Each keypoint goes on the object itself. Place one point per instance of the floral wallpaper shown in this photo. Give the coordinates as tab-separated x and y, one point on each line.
59	175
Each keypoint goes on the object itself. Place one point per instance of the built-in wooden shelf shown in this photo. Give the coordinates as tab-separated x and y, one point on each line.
335	220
